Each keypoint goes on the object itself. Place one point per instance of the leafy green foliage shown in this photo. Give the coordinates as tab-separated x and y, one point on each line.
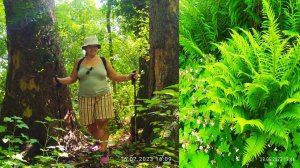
164	107
243	108
9	154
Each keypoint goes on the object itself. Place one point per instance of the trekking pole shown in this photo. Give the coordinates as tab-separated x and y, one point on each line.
133	81
57	87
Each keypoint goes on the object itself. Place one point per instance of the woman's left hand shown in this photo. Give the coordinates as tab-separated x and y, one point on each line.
133	76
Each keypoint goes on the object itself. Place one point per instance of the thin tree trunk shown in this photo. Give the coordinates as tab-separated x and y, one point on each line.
108	26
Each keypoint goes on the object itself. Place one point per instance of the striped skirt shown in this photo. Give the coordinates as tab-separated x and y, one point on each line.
93	108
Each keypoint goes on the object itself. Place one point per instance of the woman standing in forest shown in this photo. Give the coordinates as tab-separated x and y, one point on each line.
94	95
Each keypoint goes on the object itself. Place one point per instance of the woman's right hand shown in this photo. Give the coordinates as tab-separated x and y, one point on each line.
55	81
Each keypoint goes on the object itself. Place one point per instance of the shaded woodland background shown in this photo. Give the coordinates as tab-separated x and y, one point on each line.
40	39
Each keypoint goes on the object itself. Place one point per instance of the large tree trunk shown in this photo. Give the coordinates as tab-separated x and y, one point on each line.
164	51
33	53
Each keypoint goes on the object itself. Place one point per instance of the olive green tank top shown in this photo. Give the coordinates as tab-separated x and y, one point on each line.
92	80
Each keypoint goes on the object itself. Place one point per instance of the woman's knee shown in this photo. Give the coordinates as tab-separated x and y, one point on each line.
102	123
93	127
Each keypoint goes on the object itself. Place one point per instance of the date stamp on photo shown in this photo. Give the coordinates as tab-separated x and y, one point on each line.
146	159
277	159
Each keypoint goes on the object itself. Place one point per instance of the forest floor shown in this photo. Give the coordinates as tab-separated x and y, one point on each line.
122	151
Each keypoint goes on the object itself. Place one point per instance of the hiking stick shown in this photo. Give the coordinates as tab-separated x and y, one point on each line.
57	87
133	81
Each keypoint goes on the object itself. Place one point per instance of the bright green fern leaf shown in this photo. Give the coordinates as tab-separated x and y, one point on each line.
254	147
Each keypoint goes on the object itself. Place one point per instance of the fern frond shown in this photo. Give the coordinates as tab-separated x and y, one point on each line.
276	127
293	61
293	99
292	111
256	95
277	141
254	147
291	13
241	122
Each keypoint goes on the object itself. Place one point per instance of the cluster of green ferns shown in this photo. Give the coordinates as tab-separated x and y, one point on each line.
254	90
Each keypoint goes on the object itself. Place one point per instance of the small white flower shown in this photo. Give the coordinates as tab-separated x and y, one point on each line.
18	157
196	71
275	149
213	161
201	147
231	128
237	158
198	121
186	71
207	146
229	153
191	70
64	154
236	149
212	123
183	146
205	150
204	125
5	140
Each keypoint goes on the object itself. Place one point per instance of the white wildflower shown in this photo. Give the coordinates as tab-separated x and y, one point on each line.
64	154
205	150
18	157
237	158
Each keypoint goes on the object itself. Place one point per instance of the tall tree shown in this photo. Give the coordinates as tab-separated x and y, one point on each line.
164	51
33	53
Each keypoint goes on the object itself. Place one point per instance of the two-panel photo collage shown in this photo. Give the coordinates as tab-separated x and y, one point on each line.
150	83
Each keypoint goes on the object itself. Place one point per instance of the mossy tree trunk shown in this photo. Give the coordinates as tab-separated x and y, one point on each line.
164	51
33	54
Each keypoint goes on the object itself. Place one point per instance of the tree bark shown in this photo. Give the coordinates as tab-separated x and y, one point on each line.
108	27
33	59
164	52
164	49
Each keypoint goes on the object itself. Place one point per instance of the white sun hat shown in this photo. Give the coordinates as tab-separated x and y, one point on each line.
90	40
